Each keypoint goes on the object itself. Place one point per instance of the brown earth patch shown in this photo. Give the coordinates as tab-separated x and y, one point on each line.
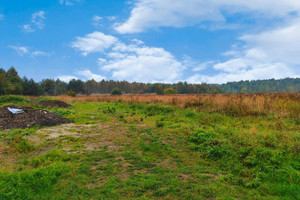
28	118
54	103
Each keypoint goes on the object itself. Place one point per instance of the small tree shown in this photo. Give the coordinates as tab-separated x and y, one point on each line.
116	91
170	91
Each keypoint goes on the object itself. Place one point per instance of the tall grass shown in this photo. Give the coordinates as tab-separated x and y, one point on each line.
232	104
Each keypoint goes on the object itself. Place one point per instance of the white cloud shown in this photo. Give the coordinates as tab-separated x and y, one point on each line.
37	22
68	2
84	74
260	72
27	28
202	66
1	16
66	78
111	18
148	14
22	50
40	53
96	20
144	64
138	42
89	75
38	19
277	45
269	54
132	62
94	43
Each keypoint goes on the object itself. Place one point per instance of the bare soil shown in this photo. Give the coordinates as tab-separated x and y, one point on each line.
54	103
29	118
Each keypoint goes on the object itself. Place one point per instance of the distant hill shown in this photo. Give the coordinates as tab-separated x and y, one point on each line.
289	85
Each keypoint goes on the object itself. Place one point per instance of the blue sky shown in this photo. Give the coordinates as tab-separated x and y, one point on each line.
151	40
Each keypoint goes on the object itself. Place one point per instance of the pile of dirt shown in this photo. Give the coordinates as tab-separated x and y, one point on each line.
53	103
28	117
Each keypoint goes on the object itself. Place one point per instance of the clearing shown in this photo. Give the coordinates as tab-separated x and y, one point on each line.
133	150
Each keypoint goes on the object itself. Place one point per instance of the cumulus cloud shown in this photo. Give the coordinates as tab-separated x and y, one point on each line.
144	64
269	54
94	43
88	75
37	22
133	61
23	50
147	14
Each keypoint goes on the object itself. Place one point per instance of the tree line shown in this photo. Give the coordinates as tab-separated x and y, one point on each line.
12	83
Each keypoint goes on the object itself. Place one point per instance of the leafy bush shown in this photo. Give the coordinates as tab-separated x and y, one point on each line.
170	91
116	91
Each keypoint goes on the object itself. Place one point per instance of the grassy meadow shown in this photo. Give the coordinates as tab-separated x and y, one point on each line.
156	147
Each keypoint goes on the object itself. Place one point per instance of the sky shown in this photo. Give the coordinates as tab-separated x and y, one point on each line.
197	41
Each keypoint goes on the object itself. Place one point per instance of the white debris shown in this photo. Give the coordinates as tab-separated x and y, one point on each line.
15	110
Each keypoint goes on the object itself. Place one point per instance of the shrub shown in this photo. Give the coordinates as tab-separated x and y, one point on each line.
116	91
170	91
71	93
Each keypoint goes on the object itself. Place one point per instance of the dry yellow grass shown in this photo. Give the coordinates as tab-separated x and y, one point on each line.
236	104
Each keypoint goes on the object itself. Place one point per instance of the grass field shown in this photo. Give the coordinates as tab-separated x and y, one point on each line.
157	147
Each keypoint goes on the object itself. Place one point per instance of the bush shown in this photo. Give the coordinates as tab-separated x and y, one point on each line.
71	93
116	91
170	91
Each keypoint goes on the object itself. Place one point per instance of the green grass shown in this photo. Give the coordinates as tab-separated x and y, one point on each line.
152	151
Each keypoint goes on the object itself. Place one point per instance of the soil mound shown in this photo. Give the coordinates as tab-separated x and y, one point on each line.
28	117
53	103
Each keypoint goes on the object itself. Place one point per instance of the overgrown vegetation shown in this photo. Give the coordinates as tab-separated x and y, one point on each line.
204	149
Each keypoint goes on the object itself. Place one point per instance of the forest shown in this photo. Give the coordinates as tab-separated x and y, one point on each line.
12	83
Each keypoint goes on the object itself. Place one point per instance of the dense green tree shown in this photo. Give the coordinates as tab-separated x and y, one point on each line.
6	86
48	86
30	87
60	87
15	80
76	85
